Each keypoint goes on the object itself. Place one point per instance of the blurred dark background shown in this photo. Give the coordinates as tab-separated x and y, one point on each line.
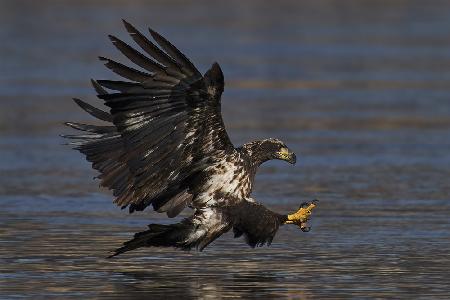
359	89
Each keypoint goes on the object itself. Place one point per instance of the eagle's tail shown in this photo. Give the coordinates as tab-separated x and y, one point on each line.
174	235
197	231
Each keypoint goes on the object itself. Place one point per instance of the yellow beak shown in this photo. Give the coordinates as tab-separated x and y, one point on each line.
286	155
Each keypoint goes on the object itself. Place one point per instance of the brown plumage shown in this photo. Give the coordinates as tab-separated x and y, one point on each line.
165	145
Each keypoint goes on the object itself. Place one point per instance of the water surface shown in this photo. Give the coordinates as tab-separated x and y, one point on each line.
359	89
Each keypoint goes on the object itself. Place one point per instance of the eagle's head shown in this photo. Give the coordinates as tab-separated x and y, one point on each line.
268	149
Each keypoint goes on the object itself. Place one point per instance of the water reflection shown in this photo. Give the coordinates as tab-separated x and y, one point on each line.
381	254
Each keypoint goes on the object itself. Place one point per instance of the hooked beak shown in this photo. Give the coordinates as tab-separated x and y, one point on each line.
286	155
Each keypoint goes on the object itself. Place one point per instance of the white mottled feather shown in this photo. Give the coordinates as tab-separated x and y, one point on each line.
229	179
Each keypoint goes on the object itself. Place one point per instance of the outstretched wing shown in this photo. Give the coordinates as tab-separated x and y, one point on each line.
165	124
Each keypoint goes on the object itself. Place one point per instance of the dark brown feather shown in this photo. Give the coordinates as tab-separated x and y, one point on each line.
164	125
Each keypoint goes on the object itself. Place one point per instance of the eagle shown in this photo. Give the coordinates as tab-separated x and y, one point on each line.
163	144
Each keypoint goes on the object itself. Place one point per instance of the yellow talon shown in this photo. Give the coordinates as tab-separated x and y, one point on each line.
302	215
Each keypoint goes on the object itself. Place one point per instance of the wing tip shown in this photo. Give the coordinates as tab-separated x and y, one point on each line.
155	35
93	111
130	28
112	38
78	101
98	88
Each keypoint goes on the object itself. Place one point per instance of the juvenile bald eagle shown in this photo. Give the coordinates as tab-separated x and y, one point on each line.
165	145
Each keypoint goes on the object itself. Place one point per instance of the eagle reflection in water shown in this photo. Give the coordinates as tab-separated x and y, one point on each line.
164	144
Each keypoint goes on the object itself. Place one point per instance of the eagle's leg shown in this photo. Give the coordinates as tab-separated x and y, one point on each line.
302	215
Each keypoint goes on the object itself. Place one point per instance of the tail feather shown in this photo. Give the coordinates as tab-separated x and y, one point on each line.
197	231
174	235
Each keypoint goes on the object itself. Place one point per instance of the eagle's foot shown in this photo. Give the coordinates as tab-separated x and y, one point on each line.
302	215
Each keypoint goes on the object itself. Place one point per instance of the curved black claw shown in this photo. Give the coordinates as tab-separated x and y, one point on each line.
305	228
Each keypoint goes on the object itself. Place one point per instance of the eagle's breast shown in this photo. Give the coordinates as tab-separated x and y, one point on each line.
229	178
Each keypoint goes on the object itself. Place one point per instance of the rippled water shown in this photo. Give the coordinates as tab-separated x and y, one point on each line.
359	89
